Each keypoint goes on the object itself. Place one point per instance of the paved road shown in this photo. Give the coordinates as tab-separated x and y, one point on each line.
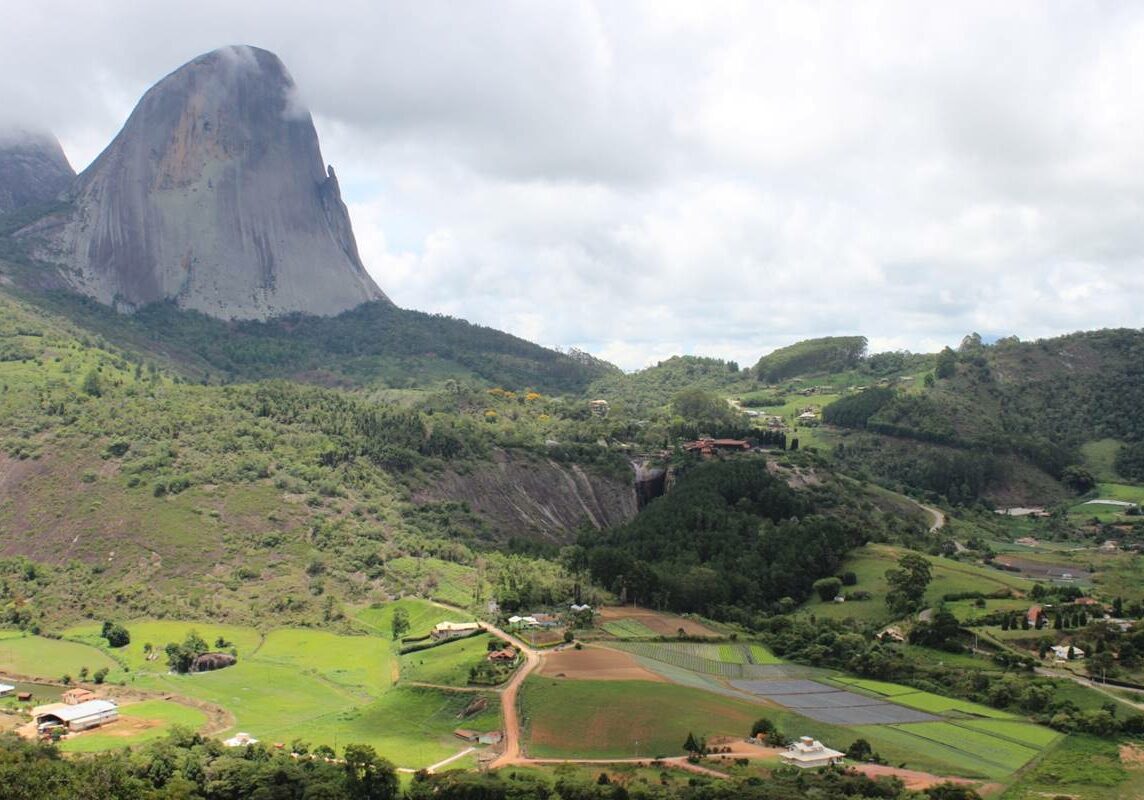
1090	684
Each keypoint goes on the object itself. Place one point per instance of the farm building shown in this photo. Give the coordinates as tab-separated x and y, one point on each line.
5	689
508	654
490	737
706	446
240	740
1061	652
24	697
78	717
1036	616
449	630
465	734
808	752
73	697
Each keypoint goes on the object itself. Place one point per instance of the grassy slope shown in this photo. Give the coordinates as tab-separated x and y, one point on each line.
870	563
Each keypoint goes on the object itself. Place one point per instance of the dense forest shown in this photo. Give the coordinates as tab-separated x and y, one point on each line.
827	354
728	540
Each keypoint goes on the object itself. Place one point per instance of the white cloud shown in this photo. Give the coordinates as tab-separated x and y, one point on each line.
644	178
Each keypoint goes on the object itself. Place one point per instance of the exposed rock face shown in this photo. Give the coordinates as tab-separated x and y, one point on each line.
213	195
33	169
522	495
208	662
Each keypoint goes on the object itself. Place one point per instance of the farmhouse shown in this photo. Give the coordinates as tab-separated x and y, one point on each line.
809	752
507	655
5	689
1036	616
78	717
490	737
450	630
240	740
465	734
74	697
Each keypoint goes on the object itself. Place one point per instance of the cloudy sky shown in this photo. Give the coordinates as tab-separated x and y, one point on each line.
644	179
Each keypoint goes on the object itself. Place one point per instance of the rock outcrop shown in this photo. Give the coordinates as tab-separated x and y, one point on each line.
33	169
520	494
214	196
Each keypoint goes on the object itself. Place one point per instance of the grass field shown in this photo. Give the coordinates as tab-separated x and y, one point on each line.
423	615
158	633
432	577
359	663
1080	768
51	659
447	664
411	726
870	563
139	722
1099	457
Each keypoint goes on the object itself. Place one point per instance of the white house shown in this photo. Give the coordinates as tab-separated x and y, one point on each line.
1061	652
448	630
5	689
240	740
808	752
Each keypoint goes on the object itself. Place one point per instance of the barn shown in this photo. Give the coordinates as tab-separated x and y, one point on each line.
79	717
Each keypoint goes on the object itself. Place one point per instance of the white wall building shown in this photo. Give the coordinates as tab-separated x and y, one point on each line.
809	752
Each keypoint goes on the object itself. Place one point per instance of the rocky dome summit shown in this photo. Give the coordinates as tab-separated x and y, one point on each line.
33	169
215	196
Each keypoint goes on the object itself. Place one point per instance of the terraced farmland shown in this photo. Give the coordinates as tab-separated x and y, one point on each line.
1001	755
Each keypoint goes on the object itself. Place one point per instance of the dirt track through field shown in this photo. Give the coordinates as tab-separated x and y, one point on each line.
660	623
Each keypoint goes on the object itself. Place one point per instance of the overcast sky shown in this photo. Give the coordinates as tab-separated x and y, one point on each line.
645	179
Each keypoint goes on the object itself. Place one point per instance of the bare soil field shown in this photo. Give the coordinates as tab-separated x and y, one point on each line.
662	624
595	664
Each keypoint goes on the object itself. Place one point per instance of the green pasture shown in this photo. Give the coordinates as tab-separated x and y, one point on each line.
158	633
423	615
442	580
869	564
1080	767
1099	457
359	663
161	714
51	659
447	664
411	726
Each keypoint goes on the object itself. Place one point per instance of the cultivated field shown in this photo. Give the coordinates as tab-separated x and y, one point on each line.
606	719
595	664
724	660
643	622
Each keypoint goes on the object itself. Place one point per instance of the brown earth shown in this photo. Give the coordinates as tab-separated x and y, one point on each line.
1132	756
663	624
595	664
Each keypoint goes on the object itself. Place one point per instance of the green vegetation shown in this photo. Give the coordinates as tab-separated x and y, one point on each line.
629	629
828	354
725	660
140	722
51	659
603	719
448	665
